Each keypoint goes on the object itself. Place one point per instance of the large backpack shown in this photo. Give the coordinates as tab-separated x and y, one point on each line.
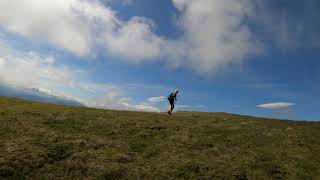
170	96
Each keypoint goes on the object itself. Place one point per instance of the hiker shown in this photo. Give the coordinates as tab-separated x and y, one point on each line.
172	98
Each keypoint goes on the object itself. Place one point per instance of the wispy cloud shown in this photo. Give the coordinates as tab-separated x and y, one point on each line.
190	107
287	26
156	99
117	100
276	105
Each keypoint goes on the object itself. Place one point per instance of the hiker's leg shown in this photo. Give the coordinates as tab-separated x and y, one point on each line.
172	106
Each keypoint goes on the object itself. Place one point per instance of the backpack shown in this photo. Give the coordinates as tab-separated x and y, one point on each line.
170	96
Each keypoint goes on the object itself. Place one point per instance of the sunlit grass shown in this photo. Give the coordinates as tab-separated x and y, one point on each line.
42	141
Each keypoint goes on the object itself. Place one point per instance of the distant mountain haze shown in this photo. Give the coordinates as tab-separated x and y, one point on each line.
37	95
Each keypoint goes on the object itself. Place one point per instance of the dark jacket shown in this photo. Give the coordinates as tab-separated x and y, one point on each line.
172	97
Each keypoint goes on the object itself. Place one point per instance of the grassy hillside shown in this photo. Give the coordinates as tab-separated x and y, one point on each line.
41	141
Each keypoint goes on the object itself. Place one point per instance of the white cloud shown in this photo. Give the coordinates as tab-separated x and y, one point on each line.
80	26
30	69
190	108
156	99
213	31
135	41
117	100
56	94
74	25
214	35
276	105
141	107
183	106
36	72
51	21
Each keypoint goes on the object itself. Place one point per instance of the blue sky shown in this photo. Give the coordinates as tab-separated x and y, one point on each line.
248	57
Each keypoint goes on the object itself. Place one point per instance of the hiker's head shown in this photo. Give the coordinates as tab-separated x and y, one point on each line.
176	91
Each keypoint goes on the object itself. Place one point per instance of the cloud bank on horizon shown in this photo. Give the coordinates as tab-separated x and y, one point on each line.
215	33
39	73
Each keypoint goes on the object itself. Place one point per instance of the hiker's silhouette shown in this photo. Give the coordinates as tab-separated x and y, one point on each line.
172	98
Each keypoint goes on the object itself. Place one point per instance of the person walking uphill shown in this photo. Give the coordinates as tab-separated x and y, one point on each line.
172	98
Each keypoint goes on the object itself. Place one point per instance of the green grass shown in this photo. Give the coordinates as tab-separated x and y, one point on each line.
42	141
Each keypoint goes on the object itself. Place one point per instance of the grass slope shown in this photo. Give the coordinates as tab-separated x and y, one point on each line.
42	141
